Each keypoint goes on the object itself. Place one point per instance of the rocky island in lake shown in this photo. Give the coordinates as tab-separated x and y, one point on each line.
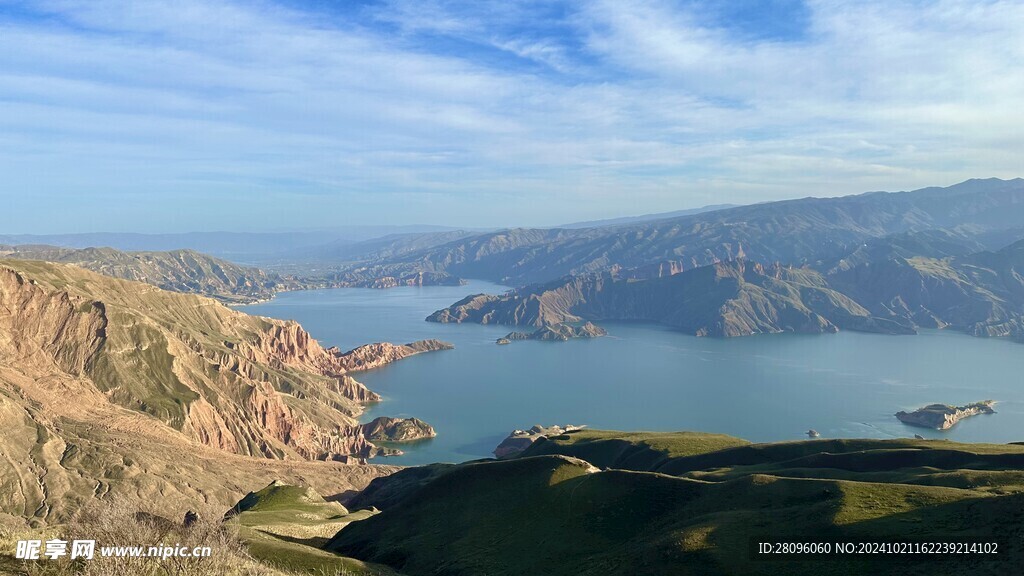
556	332
386	429
943	416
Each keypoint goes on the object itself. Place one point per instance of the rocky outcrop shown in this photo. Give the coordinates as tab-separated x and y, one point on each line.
286	344
519	440
557	332
379	354
942	416
352	389
479	309
386	429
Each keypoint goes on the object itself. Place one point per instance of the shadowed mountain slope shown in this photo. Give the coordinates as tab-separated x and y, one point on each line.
981	294
727	299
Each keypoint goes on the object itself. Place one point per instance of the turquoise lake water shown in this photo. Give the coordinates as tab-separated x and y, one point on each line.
646	377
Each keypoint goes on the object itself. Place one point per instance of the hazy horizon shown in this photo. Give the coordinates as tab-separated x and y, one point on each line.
282	115
415	227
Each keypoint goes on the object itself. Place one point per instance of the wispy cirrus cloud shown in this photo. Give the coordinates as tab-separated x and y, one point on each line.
235	115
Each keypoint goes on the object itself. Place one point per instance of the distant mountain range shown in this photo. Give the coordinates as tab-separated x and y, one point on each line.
177	270
876	262
981	294
191	272
792	232
387	246
246	247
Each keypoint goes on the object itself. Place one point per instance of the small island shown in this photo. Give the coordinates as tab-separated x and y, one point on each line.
943	416
556	333
386	429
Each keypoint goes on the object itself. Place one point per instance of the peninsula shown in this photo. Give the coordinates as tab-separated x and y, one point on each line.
370	356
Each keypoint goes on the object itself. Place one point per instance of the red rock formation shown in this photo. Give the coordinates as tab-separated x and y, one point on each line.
376	355
238	383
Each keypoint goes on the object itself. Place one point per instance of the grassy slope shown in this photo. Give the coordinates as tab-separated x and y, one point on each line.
632	450
284	526
553	514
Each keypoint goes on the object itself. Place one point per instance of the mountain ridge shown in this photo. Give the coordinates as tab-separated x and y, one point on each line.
790	231
185	271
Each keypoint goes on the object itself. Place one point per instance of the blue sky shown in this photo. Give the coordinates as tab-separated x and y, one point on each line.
187	115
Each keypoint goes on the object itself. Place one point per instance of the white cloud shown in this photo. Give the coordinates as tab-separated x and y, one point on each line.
146	103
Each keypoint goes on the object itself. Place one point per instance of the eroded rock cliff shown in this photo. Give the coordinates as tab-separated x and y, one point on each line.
259	387
108	385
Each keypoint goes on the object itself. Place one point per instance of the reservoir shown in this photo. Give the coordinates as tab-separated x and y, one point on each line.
648	377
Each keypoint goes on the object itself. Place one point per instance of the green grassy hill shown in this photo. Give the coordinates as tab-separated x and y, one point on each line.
284	526
690	503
